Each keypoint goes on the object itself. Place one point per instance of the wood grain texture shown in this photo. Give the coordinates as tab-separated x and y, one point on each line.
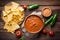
53	4
7	36
28	2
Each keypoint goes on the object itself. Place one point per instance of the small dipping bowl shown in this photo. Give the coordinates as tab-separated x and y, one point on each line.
46	11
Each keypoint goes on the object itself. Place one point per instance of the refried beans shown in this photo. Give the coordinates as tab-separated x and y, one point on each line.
33	23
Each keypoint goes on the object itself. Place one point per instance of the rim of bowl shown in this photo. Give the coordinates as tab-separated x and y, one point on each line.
46	8
37	16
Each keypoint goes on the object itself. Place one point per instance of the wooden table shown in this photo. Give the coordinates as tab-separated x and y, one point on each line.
53	4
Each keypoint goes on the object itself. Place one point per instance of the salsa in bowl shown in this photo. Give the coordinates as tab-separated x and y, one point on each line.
33	23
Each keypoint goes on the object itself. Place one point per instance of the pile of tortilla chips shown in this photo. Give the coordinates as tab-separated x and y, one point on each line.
13	15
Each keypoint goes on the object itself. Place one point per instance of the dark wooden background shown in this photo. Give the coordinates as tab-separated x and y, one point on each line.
53	4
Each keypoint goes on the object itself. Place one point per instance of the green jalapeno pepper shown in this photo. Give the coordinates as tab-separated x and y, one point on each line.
53	20
34	6
22	38
47	21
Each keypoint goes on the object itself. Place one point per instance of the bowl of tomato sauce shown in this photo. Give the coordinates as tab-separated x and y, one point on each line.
34	23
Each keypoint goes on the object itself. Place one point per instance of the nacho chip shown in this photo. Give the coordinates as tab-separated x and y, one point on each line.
11	26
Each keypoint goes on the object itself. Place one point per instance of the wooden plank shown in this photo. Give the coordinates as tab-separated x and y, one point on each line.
41	7
55	27
47	37
54	9
28	2
7	36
